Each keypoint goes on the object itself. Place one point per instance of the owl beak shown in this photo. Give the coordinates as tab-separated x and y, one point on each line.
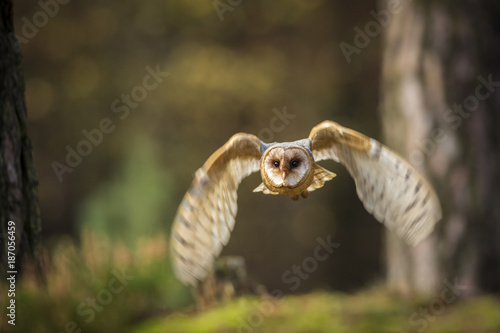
285	174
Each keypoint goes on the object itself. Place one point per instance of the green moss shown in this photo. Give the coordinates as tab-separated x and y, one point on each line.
368	311
154	301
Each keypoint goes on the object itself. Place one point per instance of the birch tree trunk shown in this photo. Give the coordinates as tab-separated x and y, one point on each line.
18	181
439	106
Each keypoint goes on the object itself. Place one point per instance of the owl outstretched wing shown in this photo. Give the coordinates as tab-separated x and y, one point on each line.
389	187
205	217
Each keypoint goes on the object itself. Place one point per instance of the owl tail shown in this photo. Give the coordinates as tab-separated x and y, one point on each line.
321	176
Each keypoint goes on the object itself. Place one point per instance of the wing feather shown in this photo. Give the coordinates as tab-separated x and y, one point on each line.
206	215
389	187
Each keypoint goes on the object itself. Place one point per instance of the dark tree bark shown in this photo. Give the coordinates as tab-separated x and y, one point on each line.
18	181
440	102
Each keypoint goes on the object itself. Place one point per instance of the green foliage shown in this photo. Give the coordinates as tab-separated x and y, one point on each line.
134	202
126	286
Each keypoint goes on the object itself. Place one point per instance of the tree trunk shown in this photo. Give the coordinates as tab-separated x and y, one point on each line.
440	112
18	181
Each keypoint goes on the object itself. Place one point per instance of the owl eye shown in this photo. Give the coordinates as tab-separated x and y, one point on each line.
294	164
276	164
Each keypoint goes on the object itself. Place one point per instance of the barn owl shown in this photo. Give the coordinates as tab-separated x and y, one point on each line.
389	187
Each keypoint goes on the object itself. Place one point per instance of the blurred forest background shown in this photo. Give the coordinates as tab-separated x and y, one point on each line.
236	68
225	77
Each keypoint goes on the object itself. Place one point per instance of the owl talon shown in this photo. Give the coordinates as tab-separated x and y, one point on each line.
294	197
305	194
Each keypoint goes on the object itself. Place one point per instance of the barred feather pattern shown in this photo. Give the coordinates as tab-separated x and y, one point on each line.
389	187
321	176
206	215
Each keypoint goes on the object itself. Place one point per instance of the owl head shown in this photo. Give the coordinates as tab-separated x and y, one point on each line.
285	168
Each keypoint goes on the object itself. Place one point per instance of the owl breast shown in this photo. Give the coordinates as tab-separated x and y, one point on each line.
287	171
